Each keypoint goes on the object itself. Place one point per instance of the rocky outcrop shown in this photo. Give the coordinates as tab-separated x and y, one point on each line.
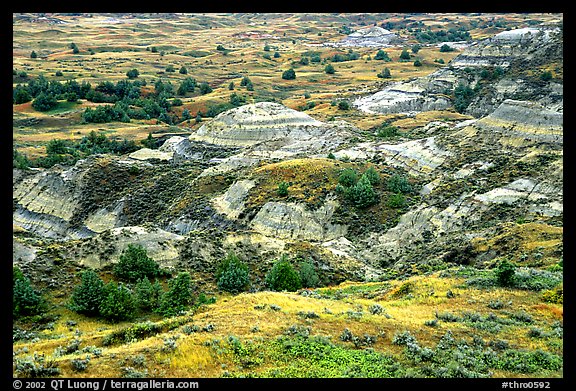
506	47
292	221
409	97
255	123
269	131
231	203
525	122
370	37
513	51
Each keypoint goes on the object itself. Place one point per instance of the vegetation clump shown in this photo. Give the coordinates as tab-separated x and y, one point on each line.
283	276
233	275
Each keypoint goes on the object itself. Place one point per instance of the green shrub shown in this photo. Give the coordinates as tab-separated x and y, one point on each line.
289	74
362	194
308	275
147	294
398	184
178	297
283	277
283	189
117	303
232	275
387	131
135	264
396	201
373	176
26	301
505	273
348	177
344	105
87	296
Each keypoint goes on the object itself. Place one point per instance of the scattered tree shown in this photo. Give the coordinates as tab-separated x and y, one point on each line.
385	74
135	264
283	276
404	55
26	300
446	48
232	275
117	303
289	74
178	297
382	55
308	275
147	294
283	189
87	297
132	73
505	273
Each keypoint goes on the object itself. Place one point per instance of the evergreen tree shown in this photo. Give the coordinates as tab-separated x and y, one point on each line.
289	74
344	105
398	184
372	175
329	69
44	102
132	73
404	55
33	54
232	275
362	194
148	295
505	273
205	88
382	55
446	48
178	297
20	95
245	80
19	160
283	277
385	74
117	303
183	70
26	301
135	264
87	296
348	177
308	275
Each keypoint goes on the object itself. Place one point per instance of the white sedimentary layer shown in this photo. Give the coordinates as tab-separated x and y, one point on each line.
287	220
231	203
255	123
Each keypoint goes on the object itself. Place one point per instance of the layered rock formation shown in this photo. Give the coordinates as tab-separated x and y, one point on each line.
370	37
504	48
255	123
513	51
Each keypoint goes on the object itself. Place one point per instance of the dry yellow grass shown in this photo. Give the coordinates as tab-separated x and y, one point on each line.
262	317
